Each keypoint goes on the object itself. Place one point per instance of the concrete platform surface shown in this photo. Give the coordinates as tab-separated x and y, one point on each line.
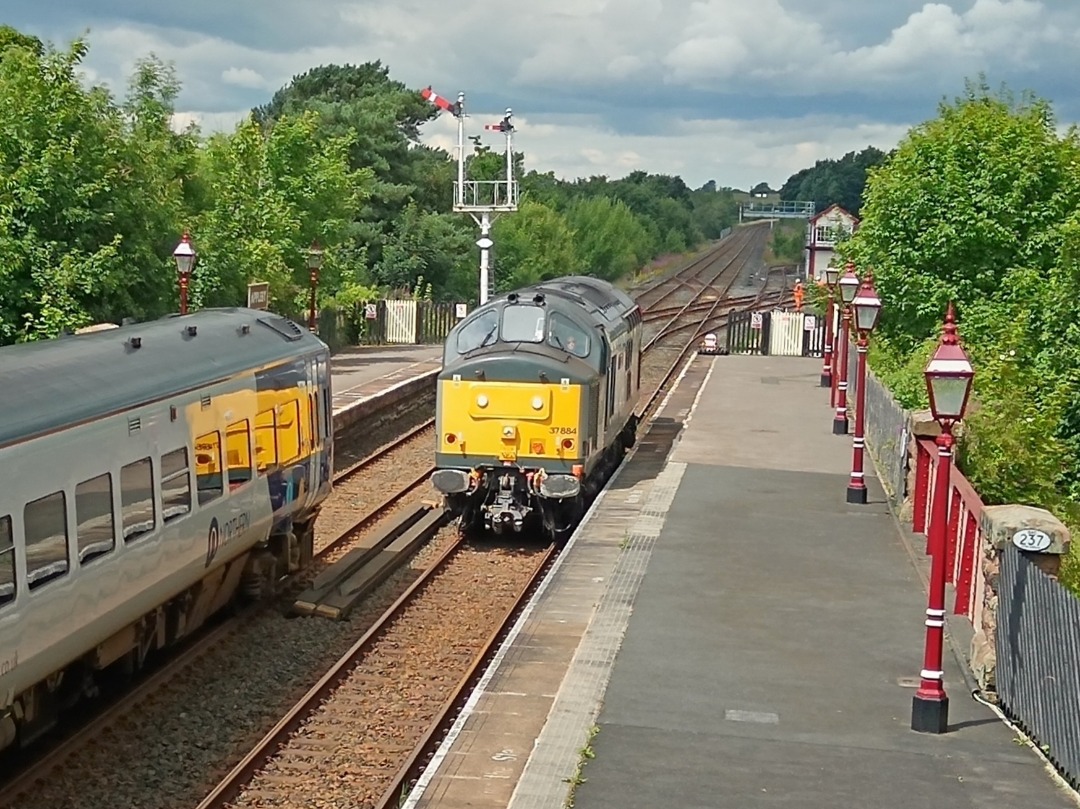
777	635
371	379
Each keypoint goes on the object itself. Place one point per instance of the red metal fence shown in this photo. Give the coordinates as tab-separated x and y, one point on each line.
963	535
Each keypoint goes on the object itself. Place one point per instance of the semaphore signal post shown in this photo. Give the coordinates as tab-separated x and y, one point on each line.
483	200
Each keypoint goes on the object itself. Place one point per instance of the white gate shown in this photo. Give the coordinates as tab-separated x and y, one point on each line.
401	322
786	333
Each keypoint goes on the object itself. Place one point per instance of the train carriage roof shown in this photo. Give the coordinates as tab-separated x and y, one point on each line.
52	384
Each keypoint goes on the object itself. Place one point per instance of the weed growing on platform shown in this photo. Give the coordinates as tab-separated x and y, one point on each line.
586	753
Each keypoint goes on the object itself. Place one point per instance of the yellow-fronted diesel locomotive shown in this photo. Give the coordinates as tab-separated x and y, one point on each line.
535	404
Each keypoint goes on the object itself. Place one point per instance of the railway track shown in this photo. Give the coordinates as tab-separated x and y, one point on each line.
371	710
373	494
357	736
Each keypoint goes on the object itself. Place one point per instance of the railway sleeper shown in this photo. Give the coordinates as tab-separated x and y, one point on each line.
26	717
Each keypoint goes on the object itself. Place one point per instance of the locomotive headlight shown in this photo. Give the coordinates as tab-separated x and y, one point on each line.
537	403
481	400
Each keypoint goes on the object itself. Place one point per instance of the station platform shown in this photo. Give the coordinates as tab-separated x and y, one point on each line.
369	378
724	630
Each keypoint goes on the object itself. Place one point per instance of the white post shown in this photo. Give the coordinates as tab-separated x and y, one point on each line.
461	149
510	200
485	244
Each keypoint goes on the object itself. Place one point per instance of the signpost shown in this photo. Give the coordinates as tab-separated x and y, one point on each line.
258	296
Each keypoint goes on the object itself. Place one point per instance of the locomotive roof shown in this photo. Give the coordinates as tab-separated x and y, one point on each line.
51	384
597	297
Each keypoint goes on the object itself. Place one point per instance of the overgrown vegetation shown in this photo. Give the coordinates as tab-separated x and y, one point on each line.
981	206
787	243
95	192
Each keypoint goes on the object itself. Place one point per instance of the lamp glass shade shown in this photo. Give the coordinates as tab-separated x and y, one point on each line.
831	274
184	255
867	306
849	285
314	257
948	395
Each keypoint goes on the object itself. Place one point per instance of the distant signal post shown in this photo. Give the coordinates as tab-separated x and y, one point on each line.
483	200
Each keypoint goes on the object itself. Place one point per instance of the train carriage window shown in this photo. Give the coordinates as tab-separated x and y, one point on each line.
313	418
478	332
137	499
45	528
94	536
208	466
7	561
266	450
238	438
568	336
523	324
288	432
175	485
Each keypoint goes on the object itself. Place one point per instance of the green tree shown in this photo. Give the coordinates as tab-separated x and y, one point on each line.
533	245
979	206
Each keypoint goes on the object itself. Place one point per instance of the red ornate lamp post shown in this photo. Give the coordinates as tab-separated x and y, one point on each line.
831	274
848	284
314	263
184	254
948	381
867	308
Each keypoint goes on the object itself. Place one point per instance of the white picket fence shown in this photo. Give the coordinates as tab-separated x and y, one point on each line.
793	334
401	322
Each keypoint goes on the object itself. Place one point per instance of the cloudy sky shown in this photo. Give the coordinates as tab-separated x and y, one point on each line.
738	91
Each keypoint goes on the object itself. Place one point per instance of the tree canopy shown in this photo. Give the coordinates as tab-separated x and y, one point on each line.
95	192
831	181
981	206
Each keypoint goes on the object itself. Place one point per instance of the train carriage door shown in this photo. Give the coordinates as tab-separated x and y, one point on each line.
310	404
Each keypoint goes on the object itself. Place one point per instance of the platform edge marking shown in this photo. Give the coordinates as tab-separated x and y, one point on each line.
556	752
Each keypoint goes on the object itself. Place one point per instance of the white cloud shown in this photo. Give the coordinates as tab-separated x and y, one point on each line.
737	153
710	89
244	77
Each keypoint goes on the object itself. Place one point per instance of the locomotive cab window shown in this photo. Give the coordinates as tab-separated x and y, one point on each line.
45	527
523	324
175	485
137	499
7	562
568	336
478	332
94	535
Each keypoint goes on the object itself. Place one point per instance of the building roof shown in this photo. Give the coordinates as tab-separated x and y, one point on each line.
52	384
831	209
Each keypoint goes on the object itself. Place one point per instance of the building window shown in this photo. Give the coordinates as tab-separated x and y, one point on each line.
208	467
175	485
238	438
137	499
94	518
45	527
7	562
823	235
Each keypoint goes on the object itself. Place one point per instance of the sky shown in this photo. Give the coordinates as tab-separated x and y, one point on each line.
736	91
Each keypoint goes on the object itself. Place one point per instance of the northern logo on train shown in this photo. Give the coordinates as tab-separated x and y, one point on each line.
212	541
223	533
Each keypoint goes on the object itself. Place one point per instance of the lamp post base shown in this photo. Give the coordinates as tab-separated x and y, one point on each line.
856	495
840	426
826	379
929	715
